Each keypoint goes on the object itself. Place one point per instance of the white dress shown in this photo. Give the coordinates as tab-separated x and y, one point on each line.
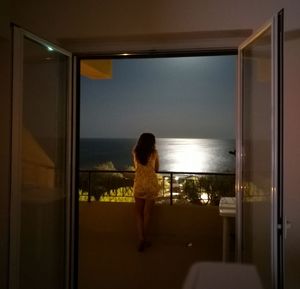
145	181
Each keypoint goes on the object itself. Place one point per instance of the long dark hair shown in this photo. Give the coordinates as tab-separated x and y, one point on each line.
145	147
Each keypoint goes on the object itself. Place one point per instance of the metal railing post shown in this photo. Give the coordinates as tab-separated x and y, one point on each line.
171	189
89	187
163	185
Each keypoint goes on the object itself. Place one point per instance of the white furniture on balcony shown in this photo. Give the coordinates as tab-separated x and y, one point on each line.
227	209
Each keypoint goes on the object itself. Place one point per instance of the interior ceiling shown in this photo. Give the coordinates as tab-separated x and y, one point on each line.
168	41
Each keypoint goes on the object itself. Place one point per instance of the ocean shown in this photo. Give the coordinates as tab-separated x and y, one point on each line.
175	154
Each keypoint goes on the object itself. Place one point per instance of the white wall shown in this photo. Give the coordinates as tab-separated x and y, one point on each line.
92	19
292	159
292	142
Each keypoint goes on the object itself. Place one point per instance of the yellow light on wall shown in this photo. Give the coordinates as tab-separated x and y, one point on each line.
96	68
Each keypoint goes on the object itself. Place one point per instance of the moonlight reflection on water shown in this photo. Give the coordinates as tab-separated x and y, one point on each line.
195	155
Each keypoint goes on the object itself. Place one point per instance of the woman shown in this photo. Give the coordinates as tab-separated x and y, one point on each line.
146	185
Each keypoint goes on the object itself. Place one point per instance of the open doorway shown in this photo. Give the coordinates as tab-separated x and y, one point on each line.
188	102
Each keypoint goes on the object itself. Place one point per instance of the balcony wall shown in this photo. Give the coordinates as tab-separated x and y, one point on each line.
180	235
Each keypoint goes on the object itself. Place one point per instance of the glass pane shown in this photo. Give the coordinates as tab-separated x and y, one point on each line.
43	197
257	152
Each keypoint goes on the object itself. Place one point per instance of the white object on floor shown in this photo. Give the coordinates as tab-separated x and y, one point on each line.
214	275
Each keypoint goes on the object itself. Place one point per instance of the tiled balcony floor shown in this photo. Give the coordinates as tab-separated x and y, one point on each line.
108	259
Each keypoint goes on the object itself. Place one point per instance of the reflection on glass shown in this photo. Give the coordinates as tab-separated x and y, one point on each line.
42	261
257	170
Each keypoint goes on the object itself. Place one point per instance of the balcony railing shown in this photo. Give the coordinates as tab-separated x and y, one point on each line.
176	187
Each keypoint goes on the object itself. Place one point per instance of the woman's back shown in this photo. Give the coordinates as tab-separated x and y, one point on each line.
145	182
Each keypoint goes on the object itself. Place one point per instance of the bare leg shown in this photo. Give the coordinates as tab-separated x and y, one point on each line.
147	214
139	213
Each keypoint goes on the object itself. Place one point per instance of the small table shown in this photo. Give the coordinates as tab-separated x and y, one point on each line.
227	210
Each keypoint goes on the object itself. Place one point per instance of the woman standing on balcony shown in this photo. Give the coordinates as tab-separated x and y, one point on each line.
146	185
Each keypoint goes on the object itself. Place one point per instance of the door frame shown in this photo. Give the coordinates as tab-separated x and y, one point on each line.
18	35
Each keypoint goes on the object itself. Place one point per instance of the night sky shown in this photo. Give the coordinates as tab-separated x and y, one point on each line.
184	97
